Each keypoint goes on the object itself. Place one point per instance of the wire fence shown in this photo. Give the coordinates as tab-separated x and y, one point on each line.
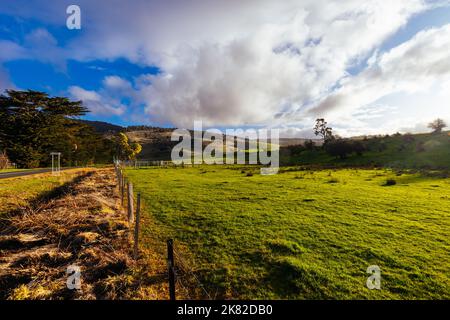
182	274
137	164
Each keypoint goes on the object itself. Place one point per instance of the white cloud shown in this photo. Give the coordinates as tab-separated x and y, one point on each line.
97	103
413	78
255	61
235	63
116	83
275	63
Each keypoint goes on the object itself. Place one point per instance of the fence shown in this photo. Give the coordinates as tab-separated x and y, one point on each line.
147	163
181	276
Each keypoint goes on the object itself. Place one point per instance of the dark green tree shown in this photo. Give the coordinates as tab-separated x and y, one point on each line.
34	124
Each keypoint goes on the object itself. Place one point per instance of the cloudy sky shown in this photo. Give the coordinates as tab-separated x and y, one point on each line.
367	66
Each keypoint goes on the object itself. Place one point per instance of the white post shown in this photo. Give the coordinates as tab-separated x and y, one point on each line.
56	169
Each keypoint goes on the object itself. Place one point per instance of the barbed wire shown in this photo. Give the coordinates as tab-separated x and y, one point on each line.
187	269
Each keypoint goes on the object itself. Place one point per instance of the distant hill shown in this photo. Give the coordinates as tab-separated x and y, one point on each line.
156	144
404	151
103	127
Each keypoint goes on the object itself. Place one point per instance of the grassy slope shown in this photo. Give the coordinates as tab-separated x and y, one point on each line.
296	235
415	151
16	192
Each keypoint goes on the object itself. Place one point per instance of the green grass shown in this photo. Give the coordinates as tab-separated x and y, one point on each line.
303	234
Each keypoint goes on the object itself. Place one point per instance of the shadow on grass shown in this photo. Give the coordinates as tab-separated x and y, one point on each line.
36	203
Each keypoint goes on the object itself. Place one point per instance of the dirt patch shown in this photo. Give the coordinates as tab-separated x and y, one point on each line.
83	226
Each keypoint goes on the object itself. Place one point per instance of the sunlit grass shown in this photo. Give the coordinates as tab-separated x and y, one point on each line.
17	192
303	234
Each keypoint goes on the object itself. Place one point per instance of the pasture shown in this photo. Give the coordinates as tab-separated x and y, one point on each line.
302	234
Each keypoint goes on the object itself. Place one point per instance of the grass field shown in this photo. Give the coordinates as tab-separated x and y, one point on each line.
17	192
303	234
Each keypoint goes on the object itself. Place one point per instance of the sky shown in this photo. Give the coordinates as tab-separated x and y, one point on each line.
366	66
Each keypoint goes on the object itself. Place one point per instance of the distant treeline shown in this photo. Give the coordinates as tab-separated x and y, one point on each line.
148	128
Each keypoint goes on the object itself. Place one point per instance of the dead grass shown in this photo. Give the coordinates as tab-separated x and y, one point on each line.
82	224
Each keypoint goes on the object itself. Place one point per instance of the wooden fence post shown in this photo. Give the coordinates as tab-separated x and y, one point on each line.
119	180
130	200
136	226
122	193
171	266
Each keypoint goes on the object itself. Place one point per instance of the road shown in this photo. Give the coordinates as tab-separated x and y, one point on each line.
25	173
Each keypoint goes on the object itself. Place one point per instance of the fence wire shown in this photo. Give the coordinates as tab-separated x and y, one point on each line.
181	264
185	278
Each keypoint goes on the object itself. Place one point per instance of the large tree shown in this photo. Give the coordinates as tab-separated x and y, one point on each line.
321	129
437	125
34	124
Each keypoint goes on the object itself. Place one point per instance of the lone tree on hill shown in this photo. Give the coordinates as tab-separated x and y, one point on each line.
437	125
322	129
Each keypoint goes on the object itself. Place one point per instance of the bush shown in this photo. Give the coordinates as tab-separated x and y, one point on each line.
390	182
309	145
341	148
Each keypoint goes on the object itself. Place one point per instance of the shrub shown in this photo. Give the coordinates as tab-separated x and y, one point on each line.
309	145
390	182
341	148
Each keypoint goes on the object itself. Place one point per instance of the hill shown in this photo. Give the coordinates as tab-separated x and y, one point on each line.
103	127
427	151
157	145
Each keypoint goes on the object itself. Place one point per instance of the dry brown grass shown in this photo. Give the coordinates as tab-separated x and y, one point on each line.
85	226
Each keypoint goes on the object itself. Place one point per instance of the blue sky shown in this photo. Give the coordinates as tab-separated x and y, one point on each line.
146	62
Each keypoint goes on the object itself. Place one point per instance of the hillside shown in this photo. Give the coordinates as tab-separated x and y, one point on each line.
425	150
428	151
156	143
103	127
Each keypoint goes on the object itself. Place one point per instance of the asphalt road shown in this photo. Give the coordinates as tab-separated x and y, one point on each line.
25	173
